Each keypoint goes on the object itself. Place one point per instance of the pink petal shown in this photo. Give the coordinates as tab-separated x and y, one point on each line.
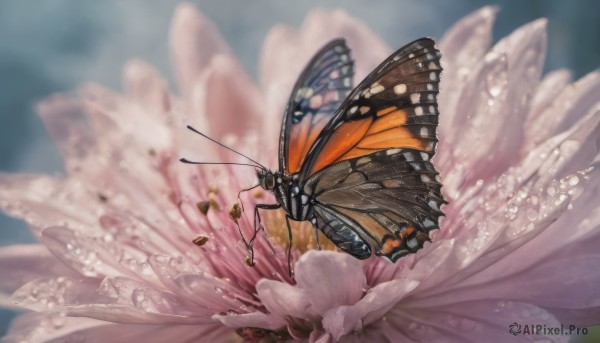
508	75
144	83
33	327
283	299
546	93
44	327
20	264
372	307
330	279
231	98
477	321
67	125
42	201
574	102
462	47
50	294
86	255
128	333
194	41
252	320
494	237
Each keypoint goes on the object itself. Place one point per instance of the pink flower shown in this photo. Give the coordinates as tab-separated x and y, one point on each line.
116	258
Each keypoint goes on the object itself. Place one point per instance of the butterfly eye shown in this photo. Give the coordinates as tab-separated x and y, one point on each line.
270	181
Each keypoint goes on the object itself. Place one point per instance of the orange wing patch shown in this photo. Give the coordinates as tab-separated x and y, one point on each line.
365	136
302	137
298	139
341	141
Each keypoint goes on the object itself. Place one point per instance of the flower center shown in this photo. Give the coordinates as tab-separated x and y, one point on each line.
256	335
303	233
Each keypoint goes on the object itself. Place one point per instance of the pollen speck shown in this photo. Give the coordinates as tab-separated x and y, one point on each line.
235	212
203	206
249	261
200	240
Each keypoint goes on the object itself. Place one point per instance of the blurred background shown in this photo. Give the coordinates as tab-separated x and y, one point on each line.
53	46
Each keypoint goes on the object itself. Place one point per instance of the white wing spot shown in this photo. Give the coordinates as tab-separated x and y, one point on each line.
419	110
412	243
409	156
316	101
364	109
411	55
414	98
432	65
433	76
424	156
425	178
428	223
362	161
347	82
400	89
429	86
431	109
434	205
353	109
424	132
392	151
377	89
429	96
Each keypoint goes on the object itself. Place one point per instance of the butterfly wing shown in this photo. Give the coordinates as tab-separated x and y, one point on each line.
370	169
319	91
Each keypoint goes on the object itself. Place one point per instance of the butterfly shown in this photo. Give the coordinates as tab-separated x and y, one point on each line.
356	162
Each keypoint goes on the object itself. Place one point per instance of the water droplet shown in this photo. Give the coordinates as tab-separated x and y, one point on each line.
511	211
138	296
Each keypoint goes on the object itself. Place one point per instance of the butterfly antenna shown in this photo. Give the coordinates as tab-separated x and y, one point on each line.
224	146
185	160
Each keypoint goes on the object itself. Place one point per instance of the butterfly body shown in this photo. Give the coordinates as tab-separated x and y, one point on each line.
288	193
356	163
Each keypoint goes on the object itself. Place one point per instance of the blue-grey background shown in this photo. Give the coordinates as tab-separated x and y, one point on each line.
55	45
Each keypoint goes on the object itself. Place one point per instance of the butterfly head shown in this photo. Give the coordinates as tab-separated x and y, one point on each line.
267	179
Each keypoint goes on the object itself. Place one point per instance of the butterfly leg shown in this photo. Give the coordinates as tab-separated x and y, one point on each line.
245	190
289	252
317	236
258	226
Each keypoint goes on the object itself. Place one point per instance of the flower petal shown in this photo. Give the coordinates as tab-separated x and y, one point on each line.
462	47
476	321
330	279
42	201
380	299
144	83
33	327
507	75
252	320
231	98
20	264
283	299
194	41
573	102
127	333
